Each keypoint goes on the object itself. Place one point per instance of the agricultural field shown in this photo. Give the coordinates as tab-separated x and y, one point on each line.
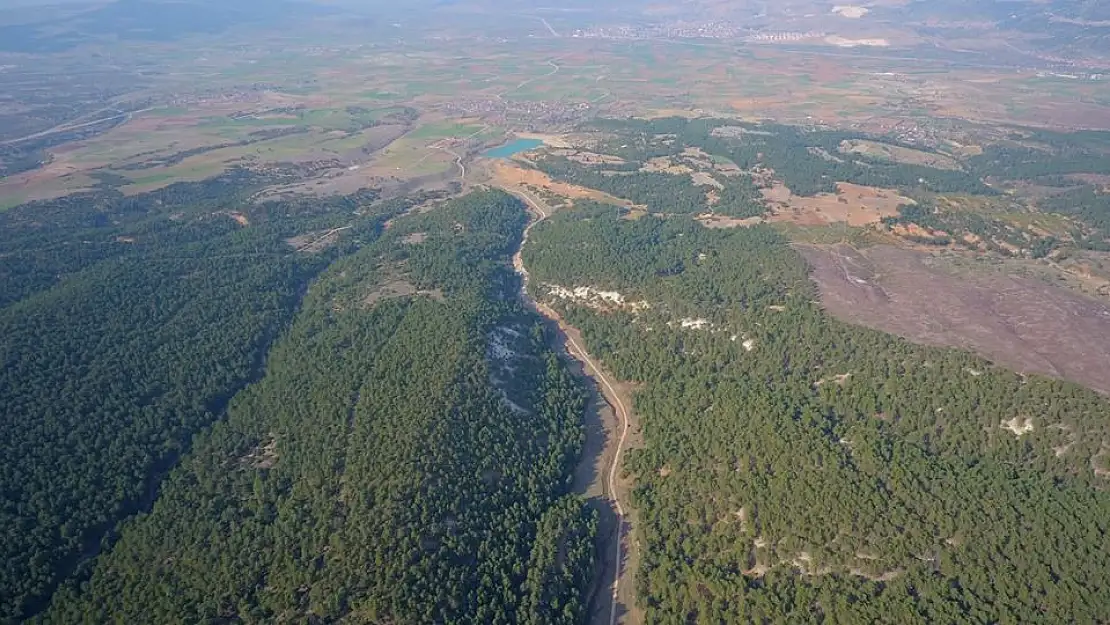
258	106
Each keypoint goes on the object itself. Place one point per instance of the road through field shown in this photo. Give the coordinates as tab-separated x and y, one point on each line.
70	127
616	444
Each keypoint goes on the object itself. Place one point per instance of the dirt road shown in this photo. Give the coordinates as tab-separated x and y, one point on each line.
620	602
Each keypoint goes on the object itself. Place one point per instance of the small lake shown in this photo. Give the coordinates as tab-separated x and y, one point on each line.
513	147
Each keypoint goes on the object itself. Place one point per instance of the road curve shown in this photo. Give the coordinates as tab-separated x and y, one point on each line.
580	353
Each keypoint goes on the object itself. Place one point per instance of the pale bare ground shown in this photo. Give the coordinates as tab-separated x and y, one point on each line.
554	141
853	204
513	178
239	218
850	11
1021	323
665	165
710	220
589	158
598	477
705	179
399	287
55	179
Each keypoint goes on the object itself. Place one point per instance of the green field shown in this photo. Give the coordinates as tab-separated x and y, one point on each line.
10	201
443	130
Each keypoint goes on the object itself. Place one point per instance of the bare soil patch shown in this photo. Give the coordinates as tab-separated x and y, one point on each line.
710	220
703	162
664	164
351	171
853	204
851	11
555	141
511	175
398	288
264	456
702	179
239	218
1023	324
844	42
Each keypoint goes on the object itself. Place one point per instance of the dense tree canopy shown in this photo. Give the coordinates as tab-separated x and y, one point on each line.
219	410
137	320
798	469
405	458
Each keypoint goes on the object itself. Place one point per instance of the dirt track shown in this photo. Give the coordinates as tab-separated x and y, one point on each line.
615	523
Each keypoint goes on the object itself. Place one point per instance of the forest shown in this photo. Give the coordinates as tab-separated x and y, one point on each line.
385	468
799	469
323	410
809	161
127	324
1045	156
952	227
806	159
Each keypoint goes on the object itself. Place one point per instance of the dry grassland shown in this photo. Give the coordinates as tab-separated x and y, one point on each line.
853	204
1024	324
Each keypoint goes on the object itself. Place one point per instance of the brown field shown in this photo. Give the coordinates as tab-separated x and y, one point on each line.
507	173
1023	324
48	182
462	83
853	204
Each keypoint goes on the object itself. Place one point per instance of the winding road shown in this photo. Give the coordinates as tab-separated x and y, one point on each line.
609	391
555	67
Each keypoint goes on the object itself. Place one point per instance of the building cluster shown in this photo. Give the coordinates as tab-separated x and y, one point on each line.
784	37
905	131
674	30
539	112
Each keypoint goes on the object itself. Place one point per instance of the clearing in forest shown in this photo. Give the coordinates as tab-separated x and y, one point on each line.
511	175
398	287
853	204
897	154
1021	323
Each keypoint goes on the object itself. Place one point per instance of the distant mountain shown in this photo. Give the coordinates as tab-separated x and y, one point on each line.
1028	12
1062	27
147	20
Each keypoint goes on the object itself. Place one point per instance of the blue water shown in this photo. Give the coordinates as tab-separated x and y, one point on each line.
513	147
